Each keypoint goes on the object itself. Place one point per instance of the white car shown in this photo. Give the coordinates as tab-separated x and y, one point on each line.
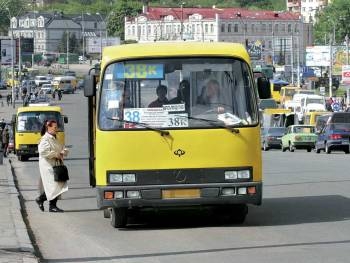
40	80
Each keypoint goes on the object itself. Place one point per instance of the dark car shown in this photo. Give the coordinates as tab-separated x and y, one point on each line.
271	137
70	73
333	137
267	104
3	84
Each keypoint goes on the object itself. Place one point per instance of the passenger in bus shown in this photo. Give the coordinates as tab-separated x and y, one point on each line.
183	95
210	93
33	124
162	91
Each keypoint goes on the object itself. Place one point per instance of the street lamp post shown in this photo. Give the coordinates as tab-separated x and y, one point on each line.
12	62
83	33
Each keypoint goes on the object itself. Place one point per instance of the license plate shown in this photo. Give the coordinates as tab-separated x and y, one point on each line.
180	193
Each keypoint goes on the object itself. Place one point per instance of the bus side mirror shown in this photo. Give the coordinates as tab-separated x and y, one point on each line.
90	85
65	119
264	88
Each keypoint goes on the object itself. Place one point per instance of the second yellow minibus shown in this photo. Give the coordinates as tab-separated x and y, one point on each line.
28	122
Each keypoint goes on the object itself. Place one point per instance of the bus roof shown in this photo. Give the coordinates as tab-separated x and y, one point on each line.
173	49
39	108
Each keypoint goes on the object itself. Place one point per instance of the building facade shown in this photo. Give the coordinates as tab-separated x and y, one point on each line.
47	29
270	37
307	8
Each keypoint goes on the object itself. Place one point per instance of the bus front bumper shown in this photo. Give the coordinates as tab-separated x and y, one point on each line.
179	195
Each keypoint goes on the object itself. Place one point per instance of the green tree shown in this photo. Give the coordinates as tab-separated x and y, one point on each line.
334	16
10	8
73	43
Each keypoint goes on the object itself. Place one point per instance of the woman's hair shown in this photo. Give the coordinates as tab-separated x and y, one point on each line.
47	123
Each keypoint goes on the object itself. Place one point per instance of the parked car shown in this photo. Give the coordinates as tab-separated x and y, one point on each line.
47	88
333	137
271	137
267	104
299	137
70	73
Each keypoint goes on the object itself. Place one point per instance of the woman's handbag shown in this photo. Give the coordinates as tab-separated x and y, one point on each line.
60	172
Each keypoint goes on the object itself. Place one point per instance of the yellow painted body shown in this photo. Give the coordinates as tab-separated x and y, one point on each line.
311	117
33	137
204	148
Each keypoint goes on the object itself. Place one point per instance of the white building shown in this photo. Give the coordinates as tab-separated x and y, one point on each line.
270	37
47	29
307	8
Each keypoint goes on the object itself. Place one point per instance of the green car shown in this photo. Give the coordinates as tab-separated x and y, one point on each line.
299	137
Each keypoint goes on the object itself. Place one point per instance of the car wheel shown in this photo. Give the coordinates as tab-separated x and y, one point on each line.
119	217
317	150
283	148
265	148
291	147
327	149
309	149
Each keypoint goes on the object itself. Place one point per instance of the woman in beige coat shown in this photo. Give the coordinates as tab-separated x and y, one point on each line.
50	152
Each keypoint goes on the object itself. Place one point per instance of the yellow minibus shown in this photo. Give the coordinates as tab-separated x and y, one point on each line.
27	126
175	125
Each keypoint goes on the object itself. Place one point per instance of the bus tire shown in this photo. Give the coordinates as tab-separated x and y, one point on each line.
238	213
106	213
119	217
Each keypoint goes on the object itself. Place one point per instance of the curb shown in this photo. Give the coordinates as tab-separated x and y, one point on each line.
22	236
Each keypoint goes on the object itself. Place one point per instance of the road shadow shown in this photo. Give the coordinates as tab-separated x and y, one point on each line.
274	211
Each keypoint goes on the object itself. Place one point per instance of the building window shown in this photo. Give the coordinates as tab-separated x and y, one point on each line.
276	28
253	28
283	28
270	27
296	29
235	29
211	28
198	28
222	28
289	28
133	30
206	28
229	28
149	29
269	44
193	29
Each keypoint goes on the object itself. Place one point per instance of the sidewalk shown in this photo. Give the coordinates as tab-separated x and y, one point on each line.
15	245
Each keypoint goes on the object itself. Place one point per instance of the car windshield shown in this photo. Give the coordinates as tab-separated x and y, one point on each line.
276	130
33	121
341	127
177	93
301	129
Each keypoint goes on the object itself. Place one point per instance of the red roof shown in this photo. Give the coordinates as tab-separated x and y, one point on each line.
157	13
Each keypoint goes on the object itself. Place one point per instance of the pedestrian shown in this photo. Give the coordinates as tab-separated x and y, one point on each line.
51	152
5	140
9	99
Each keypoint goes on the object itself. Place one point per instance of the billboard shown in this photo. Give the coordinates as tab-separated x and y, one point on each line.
317	56
93	44
6	51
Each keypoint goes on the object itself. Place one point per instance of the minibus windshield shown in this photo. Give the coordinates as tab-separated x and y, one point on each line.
177	93
33	120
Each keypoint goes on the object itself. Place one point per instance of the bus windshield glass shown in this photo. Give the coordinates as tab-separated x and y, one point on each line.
177	93
33	120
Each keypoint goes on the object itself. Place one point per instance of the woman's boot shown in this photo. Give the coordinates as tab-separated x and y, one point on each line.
40	201
53	208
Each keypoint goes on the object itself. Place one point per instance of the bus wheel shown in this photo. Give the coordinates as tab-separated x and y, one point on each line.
119	217
238	213
309	149
106	213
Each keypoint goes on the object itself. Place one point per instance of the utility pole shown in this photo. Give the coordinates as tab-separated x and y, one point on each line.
347	49
67	34
330	67
292	58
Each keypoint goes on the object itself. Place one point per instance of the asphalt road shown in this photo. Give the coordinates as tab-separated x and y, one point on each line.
305	215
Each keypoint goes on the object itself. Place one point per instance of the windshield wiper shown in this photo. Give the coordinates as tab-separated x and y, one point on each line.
212	122
161	132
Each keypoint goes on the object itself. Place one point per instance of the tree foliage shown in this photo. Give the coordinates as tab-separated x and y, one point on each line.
10	8
73	44
334	18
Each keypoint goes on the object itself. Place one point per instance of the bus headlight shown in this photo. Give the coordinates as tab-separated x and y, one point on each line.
116	178
243	174
230	175
122	178
129	178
